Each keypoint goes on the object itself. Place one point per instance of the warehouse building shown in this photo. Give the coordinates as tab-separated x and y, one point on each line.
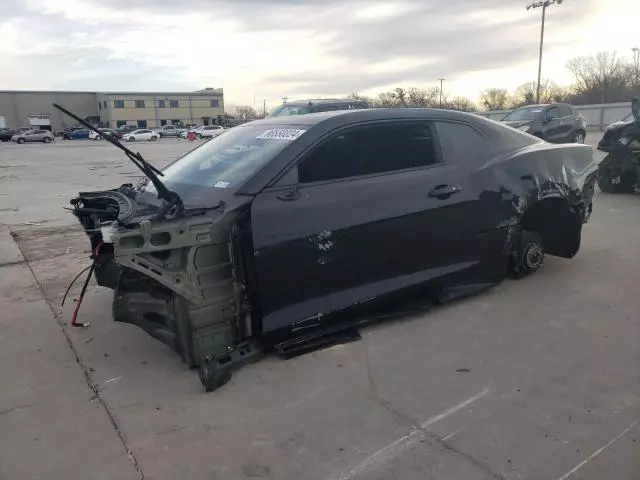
113	109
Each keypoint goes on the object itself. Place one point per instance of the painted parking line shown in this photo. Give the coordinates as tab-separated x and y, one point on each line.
392	450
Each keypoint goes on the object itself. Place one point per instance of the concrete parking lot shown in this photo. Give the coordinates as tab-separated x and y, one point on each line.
534	379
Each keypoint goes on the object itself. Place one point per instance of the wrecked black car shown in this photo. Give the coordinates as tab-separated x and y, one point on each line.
620	169
276	234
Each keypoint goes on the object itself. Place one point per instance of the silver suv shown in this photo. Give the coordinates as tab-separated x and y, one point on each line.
44	136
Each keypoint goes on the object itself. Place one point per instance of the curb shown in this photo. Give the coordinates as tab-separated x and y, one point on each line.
10	253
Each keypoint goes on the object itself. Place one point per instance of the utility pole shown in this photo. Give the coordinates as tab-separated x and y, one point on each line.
441	80
264	107
636	61
544	4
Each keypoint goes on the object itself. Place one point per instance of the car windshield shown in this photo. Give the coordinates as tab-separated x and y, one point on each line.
526	113
286	110
225	162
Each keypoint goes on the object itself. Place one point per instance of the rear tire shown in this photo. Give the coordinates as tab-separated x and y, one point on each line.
579	137
154	138
20	141
46	140
616	181
528	255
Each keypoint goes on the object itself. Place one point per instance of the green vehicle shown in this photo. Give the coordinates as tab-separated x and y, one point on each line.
619	172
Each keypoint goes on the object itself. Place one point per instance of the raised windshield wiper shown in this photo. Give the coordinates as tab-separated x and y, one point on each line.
172	198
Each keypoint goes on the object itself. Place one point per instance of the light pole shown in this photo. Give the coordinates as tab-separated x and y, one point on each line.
544	4
441	80
636	61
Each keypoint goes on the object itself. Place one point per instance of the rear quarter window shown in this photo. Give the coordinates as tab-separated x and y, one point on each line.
458	141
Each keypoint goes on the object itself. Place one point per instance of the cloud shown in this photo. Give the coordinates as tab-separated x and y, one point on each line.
275	48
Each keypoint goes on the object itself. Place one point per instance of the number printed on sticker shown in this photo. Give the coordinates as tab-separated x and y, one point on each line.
281	134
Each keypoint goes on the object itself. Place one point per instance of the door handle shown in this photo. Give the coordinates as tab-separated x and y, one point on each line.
289	196
442	192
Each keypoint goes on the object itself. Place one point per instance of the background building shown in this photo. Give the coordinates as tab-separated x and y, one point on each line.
112	109
151	109
17	106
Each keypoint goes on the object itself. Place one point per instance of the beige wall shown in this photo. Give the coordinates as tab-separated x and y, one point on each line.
191	108
15	106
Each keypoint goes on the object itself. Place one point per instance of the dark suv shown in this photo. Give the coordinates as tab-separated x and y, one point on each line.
556	123
302	107
6	134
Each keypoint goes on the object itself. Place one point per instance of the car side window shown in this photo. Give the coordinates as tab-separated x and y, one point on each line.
553	113
565	111
458	141
370	149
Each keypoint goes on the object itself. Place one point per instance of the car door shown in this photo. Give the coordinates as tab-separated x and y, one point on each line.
554	129
35	136
370	210
566	124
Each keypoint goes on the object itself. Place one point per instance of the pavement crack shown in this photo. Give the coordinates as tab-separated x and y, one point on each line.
85	370
404	420
470	458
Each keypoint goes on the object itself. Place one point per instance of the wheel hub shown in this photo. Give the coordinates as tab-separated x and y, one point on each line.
533	256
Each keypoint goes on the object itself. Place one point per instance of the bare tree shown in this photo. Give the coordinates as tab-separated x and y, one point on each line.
245	112
422	97
550	92
599	78
357	96
400	95
631	73
462	104
387	100
494	98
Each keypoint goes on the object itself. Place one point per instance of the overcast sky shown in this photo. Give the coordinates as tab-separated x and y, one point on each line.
258	49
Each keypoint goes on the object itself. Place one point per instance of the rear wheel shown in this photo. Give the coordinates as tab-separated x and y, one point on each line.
46	139
579	137
528	255
154	138
616	180
20	141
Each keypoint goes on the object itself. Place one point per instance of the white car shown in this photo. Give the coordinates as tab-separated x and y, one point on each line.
209	131
140	134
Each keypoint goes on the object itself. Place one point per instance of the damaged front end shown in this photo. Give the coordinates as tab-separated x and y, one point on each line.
180	279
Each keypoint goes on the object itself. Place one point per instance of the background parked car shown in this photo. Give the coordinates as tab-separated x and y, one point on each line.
555	123
33	136
171	130
126	129
6	134
193	129
209	131
303	107
68	131
105	131
81	134
141	134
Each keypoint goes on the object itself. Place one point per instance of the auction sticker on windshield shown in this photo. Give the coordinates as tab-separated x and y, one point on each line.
281	134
